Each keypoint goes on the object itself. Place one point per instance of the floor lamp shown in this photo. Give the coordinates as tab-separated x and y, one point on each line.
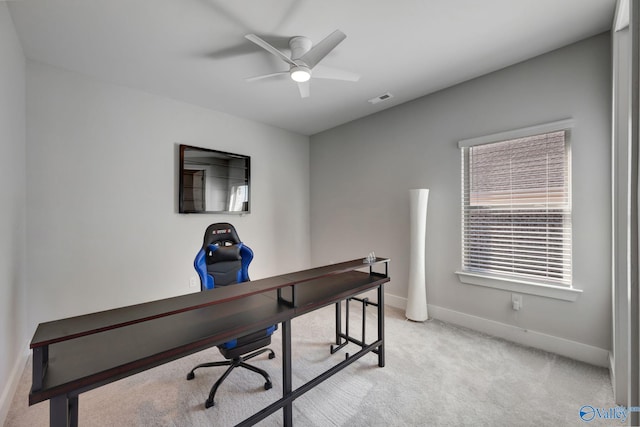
417	293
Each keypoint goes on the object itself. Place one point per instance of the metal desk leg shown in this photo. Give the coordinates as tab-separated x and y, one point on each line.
63	411
381	326
286	372
338	322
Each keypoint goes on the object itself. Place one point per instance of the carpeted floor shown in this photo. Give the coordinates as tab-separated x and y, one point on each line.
436	374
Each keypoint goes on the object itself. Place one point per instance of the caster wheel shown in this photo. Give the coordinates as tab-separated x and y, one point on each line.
190	376
268	385
208	403
272	355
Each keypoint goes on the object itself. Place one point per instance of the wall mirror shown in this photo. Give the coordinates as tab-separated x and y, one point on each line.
213	181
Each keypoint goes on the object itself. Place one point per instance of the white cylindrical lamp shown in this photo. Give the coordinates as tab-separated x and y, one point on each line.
417	292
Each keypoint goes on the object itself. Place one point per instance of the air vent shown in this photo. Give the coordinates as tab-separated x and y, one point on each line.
384	97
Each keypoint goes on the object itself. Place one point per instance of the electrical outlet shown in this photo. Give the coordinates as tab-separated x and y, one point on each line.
194	282
516	301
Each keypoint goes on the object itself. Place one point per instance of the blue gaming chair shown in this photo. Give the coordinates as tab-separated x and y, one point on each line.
223	261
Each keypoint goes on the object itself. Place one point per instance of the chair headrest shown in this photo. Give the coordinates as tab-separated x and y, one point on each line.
221	234
223	253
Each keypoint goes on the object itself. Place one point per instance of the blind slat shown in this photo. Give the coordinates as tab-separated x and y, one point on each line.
520	260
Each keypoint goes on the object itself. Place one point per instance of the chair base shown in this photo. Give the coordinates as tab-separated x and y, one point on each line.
240	362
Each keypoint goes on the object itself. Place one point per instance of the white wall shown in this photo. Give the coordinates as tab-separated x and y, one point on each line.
361	173
13	338
102	194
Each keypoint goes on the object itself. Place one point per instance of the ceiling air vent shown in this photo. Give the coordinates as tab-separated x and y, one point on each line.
383	97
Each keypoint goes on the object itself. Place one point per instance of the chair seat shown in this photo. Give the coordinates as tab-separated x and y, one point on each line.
246	344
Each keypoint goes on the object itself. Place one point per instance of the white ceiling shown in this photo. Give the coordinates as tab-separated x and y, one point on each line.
195	50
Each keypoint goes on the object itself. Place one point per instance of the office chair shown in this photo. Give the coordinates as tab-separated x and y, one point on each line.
224	260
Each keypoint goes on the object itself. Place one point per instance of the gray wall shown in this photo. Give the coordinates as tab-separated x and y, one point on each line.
13	188
361	173
102	182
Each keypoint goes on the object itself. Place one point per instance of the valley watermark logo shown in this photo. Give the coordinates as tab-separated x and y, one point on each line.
589	413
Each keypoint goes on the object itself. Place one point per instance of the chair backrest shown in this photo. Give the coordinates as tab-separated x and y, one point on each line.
223	259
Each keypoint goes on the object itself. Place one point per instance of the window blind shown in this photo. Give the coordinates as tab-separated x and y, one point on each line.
516	210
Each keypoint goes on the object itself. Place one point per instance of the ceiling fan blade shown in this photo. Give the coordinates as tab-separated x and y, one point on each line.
323	48
304	89
266	46
266	76
324	72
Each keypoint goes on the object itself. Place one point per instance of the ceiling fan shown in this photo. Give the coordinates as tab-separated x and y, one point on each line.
303	63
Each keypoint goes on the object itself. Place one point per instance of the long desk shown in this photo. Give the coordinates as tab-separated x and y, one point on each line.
77	354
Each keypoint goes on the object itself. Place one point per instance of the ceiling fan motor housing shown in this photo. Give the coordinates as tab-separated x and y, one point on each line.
299	46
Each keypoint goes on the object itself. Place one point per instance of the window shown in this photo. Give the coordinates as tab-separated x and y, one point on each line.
516	206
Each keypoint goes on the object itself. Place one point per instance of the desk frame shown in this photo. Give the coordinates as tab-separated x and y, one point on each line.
309	290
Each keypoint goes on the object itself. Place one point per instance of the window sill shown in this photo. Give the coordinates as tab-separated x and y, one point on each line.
520	286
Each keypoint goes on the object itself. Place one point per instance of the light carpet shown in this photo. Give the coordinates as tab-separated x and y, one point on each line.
436	374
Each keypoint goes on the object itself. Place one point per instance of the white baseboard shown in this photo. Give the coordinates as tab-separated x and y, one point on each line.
572	349
395	301
11	385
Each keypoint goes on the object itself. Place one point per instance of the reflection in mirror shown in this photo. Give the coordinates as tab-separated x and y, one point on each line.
213	181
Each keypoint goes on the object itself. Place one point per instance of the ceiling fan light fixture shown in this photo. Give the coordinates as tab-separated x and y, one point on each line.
303	58
300	73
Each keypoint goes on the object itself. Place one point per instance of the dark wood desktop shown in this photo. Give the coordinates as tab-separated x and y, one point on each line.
74	355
